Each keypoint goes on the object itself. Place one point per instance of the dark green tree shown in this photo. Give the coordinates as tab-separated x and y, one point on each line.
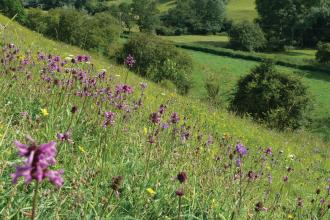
146	14
11	8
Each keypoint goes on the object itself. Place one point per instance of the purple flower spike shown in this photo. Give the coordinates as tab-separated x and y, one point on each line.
241	150
130	61
38	160
269	151
175	118
109	119
66	136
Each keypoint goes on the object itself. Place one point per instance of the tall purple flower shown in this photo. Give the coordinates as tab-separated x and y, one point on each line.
155	117
124	89
66	136
38	160
241	150
175	118
109	119
130	61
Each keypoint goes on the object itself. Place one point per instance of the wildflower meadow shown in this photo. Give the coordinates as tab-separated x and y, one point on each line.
83	139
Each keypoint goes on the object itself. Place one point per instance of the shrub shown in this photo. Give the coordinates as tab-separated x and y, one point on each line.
246	36
323	52
212	86
158	60
278	99
11	8
96	32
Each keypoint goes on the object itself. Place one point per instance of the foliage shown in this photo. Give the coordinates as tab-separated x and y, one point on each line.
317	25
146	13
246	36
285	22
194	16
158	60
212	86
96	32
124	13
11	8
323	52
278	99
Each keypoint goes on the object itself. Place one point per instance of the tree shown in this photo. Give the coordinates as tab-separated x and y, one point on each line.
246	36
13	7
146	14
280	100
281	20
196	16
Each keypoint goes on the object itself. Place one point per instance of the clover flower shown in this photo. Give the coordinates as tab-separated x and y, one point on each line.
38	159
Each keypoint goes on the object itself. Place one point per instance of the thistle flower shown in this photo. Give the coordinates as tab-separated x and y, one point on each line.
38	160
182	177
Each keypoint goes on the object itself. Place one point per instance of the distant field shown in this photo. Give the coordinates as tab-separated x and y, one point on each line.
230	70
222	41
239	10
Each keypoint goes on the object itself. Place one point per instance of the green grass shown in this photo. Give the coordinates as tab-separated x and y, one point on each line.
230	70
239	10
302	56
98	154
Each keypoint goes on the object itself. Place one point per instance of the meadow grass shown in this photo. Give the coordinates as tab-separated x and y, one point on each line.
202	143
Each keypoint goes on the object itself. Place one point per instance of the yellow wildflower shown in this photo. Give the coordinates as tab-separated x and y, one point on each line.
151	192
44	112
82	149
145	130
290	216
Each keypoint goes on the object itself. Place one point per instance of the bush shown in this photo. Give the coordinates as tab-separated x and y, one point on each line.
212	86
96	32
246	36
323	52
11	8
278	99
158	60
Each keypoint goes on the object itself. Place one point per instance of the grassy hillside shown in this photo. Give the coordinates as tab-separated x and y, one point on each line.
239	10
37	100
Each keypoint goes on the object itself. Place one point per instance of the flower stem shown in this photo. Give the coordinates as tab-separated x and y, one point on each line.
34	201
179	213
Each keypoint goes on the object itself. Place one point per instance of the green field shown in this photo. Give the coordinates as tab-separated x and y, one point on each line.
299	55
230	70
239	10
149	166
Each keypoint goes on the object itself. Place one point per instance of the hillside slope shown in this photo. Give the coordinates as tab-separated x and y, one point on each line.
199	140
